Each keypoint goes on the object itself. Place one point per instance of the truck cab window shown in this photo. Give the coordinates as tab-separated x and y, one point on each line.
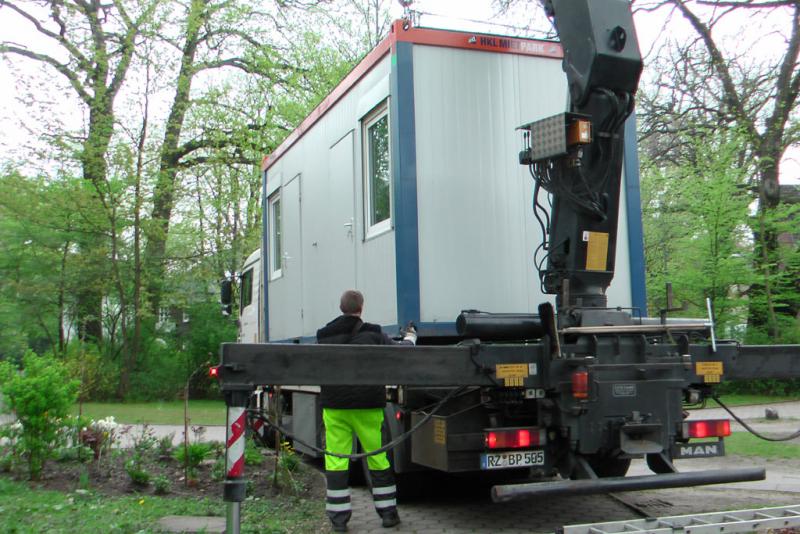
247	289
377	170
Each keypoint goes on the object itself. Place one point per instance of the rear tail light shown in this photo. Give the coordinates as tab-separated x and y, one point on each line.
711	428
514	438
580	384
213	372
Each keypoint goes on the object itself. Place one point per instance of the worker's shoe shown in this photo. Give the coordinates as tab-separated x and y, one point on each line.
390	520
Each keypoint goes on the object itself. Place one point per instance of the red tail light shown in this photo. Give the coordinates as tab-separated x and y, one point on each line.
398	415
514	438
712	428
580	384
213	372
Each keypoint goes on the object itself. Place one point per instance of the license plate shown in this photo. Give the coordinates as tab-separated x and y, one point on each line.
504	460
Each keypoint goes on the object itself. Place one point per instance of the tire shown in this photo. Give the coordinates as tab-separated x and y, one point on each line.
607	466
359	473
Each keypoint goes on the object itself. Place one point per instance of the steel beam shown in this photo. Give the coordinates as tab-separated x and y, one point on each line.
246	365
764	361
512	492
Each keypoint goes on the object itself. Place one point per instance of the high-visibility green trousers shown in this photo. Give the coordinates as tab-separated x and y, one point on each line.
340	425
339	428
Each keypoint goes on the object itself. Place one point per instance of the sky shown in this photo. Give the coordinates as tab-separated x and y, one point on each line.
464	15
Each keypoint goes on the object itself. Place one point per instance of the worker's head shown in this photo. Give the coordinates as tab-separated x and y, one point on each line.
352	302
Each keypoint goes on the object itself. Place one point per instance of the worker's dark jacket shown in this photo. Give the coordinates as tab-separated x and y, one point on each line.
343	331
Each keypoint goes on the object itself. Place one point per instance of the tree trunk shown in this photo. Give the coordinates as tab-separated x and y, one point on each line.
164	193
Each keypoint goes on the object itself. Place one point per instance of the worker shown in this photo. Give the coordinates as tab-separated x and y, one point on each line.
356	409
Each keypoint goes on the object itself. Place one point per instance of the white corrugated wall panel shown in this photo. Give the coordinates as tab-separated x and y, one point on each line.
477	229
326	261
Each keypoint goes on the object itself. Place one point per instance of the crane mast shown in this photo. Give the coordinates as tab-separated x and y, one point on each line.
576	157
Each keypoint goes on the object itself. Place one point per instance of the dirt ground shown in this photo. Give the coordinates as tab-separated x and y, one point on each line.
108	476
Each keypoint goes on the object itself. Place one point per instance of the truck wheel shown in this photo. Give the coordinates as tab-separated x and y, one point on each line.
608	466
359	475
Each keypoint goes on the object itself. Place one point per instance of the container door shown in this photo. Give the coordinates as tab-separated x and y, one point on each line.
343	220
286	280
329	228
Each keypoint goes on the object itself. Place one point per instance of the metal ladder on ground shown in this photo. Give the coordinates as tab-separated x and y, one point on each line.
754	520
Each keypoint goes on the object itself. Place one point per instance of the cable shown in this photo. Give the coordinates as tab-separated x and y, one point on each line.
399	439
750	429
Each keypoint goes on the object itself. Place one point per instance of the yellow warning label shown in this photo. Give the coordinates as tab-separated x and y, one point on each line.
708	368
596	250
440	431
712	379
512	374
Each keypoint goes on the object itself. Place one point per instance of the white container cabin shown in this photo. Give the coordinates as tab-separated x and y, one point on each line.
404	183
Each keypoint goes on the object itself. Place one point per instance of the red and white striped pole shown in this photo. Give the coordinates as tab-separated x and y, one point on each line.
235	484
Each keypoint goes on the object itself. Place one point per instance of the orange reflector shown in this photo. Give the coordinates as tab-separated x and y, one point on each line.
580	385
711	428
213	372
514	438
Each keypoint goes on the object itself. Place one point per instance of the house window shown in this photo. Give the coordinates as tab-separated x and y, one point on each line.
276	249
247	289
377	171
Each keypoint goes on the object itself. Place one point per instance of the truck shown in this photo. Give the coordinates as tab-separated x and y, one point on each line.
554	397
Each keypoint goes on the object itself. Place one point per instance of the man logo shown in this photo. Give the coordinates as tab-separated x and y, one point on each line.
699	450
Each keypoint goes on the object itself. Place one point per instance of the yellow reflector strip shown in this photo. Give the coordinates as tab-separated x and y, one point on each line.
596	250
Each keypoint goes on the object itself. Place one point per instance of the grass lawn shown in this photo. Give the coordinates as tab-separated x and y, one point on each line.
201	412
736	399
212	412
746	444
26	510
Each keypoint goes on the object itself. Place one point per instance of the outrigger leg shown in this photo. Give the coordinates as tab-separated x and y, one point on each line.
235	483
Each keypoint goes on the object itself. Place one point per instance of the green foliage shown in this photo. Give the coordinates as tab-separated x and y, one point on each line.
73	239
136	471
767	386
41	397
50	511
745	444
144	441
98	375
252	454
218	469
83	480
288	460
165	444
695	218
161	485
193	455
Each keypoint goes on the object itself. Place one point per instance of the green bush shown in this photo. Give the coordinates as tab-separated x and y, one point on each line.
161	485
160	372
139	476
165	444
41	397
197	452
252	454
98	376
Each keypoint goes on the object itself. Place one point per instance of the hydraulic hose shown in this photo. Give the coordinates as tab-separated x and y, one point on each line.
751	429
399	439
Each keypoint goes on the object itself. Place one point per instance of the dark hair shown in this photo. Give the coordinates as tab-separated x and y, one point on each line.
352	302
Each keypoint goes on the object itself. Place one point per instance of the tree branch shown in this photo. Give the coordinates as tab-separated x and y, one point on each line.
44	58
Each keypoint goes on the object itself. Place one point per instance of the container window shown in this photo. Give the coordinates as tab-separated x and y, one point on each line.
377	190
276	248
